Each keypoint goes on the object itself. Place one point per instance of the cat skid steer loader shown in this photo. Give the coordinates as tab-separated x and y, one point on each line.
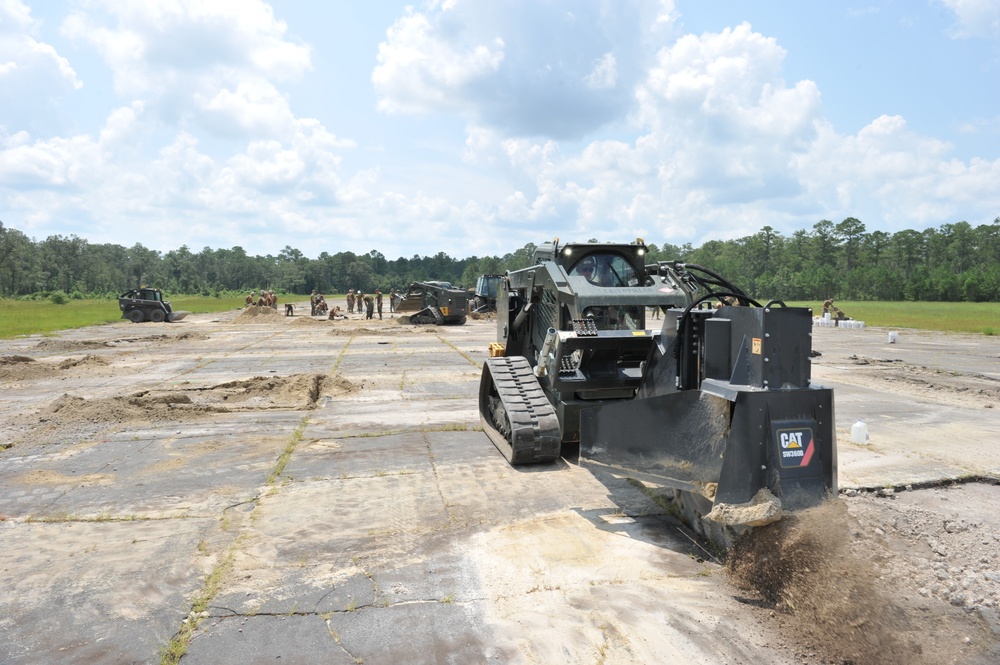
714	403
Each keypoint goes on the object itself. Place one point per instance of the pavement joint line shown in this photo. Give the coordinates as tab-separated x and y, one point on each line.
289	450
472	361
175	649
437	478
343	352
453	427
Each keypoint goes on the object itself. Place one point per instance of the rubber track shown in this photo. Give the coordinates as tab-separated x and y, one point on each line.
535	432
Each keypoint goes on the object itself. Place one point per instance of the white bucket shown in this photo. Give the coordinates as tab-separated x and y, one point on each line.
859	432
892	338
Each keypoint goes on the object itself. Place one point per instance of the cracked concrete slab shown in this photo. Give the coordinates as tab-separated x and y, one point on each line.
372	520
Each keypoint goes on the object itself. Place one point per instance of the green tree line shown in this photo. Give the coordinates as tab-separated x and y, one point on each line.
955	262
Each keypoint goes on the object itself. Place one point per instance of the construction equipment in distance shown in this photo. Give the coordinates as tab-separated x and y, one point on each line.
483	299
432	302
145	304
716	405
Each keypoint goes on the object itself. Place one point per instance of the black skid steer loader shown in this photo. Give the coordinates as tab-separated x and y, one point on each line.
145	304
714	404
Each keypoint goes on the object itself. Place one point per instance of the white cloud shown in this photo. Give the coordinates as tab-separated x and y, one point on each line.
976	18
604	74
213	63
729	147
722	118
254	108
527	69
420	70
33	76
583	119
206	135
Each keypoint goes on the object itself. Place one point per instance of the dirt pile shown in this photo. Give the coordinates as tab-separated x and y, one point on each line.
23	368
70	344
298	391
826	580
15	360
87	361
254	314
309	321
189	336
138	407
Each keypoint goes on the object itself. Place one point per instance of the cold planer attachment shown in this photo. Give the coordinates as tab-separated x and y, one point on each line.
716	406
726	417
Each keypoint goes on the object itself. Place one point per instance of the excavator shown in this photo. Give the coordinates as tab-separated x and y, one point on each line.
711	403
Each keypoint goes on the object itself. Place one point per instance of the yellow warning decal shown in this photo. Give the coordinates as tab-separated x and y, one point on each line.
639	333
756	346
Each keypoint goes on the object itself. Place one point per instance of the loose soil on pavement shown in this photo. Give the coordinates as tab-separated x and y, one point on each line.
902	570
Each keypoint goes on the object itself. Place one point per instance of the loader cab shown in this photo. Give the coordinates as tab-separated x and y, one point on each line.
606	270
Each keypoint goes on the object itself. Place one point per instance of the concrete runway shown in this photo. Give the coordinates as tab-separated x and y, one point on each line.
151	506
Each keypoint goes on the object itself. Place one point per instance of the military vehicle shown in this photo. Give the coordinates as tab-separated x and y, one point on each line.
145	304
432	302
714	405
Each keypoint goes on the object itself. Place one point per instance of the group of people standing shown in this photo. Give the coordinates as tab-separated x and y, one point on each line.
366	304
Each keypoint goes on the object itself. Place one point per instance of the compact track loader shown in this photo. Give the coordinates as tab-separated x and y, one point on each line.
432	302
713	402
145	304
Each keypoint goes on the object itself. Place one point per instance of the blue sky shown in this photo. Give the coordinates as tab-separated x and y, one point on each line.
473	127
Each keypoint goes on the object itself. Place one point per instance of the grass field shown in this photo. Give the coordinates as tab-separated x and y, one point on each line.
19	317
963	317
28	317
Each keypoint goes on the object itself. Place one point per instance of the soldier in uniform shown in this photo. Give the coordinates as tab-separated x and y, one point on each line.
378	303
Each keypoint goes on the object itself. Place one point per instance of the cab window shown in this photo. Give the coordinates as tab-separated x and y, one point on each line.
607	270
